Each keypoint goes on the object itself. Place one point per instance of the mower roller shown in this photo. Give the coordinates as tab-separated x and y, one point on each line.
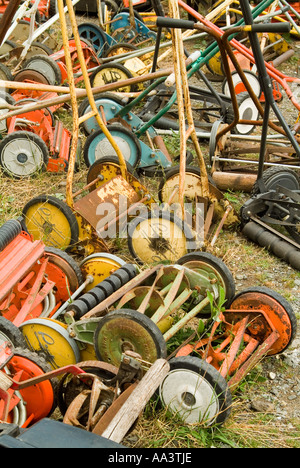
50	337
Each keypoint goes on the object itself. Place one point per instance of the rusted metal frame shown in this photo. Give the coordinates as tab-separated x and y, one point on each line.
72	88
234	347
184	107
111	412
253	360
27	307
8	399
71	369
180	81
73	410
221	224
123	214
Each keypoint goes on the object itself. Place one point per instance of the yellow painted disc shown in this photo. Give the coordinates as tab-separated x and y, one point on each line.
156	239
193	188
88	353
111	74
100	266
103	170
50	339
52	221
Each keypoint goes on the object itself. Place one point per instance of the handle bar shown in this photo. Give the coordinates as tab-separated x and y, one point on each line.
279	28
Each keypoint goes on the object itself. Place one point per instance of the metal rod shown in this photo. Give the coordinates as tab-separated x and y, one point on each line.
89	280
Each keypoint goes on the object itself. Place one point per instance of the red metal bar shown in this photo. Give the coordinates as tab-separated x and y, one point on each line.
28	305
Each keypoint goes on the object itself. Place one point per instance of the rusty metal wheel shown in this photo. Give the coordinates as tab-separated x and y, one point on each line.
71	386
274	313
128	330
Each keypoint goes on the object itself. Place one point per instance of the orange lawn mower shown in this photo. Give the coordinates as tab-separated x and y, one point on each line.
34	142
53	67
35	281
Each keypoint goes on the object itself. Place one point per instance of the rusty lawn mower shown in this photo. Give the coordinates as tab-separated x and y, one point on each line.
35	280
29	393
229	332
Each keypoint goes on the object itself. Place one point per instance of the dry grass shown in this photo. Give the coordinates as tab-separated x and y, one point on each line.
14	194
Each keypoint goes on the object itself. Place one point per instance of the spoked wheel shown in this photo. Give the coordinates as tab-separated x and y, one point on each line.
47	66
23	154
37	401
211	268
158	236
112	73
98	146
100	266
50	339
94	34
69	387
128	330
278	313
51	220
105	169
196	392
10	333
